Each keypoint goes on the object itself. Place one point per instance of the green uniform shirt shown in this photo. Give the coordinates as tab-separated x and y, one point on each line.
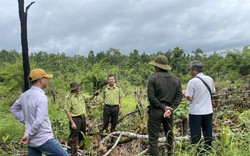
76	104
111	96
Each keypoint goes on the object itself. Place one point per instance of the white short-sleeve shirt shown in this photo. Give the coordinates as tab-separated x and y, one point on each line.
201	103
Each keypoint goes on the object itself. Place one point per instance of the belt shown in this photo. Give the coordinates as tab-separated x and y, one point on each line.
111	105
79	116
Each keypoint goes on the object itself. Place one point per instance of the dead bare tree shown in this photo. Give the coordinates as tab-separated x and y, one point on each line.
24	41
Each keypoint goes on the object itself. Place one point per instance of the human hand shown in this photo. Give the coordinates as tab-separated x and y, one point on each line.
73	125
120	110
25	140
184	93
167	113
96	93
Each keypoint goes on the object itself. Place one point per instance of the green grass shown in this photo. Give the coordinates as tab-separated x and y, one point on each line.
230	143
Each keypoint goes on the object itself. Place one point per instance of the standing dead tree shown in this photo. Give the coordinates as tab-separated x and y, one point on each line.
24	41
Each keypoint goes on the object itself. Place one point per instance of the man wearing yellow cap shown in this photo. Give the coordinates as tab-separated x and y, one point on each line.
164	95
32	109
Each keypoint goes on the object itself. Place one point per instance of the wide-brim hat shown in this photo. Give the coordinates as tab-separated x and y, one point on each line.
39	73
161	61
74	85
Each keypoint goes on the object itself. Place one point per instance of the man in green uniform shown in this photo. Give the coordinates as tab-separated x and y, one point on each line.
112	97
75	107
164	95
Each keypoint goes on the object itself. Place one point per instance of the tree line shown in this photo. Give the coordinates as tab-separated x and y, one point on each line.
131	69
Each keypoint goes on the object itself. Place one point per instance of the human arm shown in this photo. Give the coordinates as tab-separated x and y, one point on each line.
188	94
189	98
96	93
120	100
73	125
213	90
67	108
151	94
120	105
178	96
176	101
16	110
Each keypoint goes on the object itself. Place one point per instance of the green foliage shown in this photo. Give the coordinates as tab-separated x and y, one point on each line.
59	121
233	143
226	136
182	110
244	118
131	73
87	142
11	130
9	56
140	110
12	77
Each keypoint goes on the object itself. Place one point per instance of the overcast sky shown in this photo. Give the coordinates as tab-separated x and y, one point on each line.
79	26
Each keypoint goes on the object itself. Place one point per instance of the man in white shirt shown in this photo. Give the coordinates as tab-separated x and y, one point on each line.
31	108
200	111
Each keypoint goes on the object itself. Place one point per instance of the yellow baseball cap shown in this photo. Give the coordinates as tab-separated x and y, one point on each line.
39	73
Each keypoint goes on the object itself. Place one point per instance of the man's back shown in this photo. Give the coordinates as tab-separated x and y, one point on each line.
201	98
164	87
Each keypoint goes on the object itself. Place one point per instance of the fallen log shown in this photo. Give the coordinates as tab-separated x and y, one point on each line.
137	136
117	141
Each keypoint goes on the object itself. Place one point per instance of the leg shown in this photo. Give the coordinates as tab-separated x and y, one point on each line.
195	128
207	130
32	151
82	130
52	147
114	117
154	125
106	117
73	137
168	129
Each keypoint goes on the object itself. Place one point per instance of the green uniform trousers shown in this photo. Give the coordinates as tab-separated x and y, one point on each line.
154	126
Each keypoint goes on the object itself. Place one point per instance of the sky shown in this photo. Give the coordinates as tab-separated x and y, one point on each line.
76	27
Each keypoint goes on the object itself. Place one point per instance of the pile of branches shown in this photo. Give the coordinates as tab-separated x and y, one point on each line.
239	97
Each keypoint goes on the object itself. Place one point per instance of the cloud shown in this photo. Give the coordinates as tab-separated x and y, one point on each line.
77	27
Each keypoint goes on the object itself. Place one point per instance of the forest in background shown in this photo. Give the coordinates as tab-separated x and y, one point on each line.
131	71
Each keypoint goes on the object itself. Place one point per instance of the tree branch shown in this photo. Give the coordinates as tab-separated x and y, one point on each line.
137	136
110	150
27	8
143	152
129	113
